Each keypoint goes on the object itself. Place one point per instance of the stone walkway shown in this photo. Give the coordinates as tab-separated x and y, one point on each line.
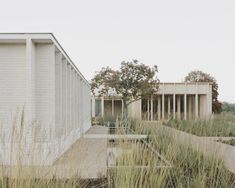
87	158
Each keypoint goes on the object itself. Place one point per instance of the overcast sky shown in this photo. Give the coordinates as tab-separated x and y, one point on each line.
177	35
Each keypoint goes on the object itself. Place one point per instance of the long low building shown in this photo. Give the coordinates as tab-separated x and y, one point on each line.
43	94
173	101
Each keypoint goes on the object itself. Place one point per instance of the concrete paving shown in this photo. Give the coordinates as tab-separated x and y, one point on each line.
97	130
87	158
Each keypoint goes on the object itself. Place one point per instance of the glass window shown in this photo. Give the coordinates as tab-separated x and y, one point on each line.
97	107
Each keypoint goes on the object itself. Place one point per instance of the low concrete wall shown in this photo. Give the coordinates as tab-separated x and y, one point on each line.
205	145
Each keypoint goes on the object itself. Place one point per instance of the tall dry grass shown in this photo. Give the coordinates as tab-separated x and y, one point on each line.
137	167
222	125
18	156
189	168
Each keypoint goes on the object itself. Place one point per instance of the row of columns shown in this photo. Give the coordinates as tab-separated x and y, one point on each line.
103	107
113	106
171	102
176	112
72	95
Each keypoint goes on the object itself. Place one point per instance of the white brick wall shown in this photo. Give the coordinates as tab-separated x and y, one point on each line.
45	85
36	73
12	81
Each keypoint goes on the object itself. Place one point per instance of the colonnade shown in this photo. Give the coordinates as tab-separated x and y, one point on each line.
167	106
107	107
41	84
72	96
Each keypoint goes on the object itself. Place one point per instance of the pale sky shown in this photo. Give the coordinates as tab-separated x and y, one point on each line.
177	35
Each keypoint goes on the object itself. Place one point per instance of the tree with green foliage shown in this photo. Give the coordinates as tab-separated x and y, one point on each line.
133	81
199	76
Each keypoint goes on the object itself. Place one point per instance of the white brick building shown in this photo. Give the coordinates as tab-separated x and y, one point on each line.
38	76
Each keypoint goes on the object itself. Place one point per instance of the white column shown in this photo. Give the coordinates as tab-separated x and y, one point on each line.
169	106
80	102
173	106
112	107
151	108
76	95
72	100
64	96
209	100
148	108
185	106
58	94
102	106
68	108
61	92
123	108
163	106
196	106
159	107
30	103
178	107
82	105
190	107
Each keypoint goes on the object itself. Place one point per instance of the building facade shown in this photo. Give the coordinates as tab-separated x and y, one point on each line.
173	101
39	80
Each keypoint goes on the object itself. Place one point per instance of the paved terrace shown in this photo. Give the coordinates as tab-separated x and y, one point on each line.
87	157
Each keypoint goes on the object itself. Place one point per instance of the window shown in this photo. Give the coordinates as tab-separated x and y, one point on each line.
97	107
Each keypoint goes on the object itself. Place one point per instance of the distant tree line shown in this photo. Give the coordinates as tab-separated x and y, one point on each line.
228	107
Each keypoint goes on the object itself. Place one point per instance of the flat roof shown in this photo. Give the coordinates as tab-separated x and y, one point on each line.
37	37
185	83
